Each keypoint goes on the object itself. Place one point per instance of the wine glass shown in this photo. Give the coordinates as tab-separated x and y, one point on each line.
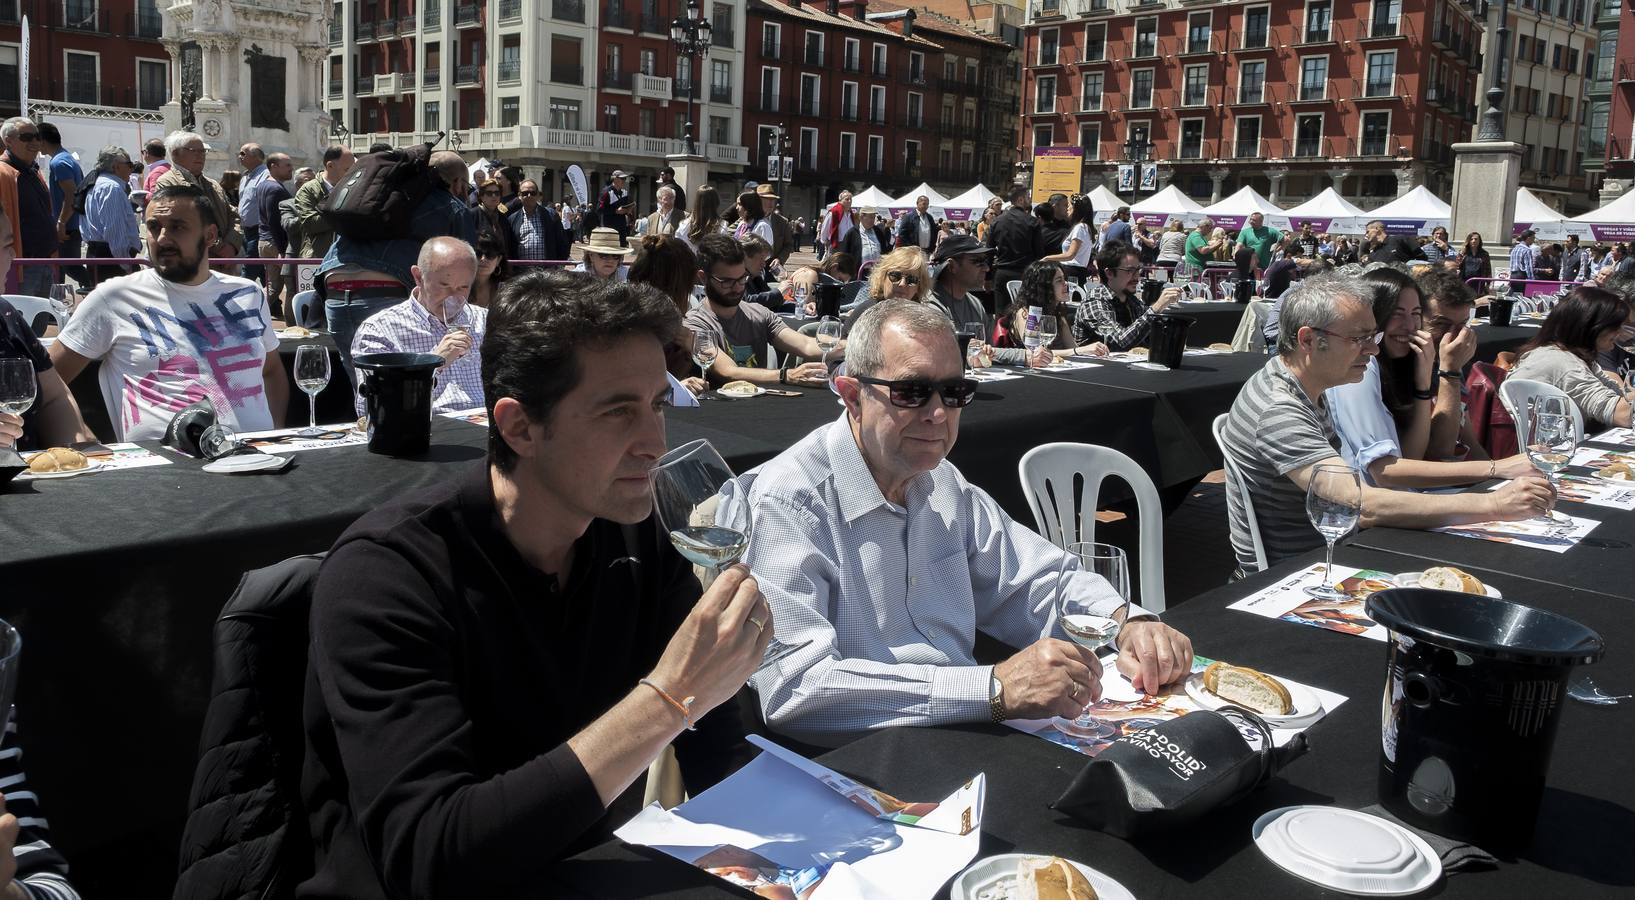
705	512
703	355
1333	504
1047	331
17	386
311	376
828	338
62	299
1551	440
1091	622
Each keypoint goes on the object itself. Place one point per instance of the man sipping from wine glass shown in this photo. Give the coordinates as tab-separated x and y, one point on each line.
436	319
495	661
1280	431
881	562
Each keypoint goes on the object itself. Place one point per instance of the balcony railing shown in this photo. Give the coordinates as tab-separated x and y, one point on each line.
407	25
613	79
567	74
881	69
561	10
914	121
720	93
813	57
364	85
432	75
771	49
615	15
512	9
684	88
852	64
1246	149
467	15
363	31
468	76
432	14
386	27
334	87
810	106
335	31
723	37
1383	27
848	112
84	16
652	23
771	103
1377	89
653	86
916	77
877	117
510	71
148	24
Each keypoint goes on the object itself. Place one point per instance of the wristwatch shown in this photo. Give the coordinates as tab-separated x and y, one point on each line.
996	699
1451	376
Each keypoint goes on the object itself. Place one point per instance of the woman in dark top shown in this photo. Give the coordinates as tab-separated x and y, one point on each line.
52	421
1043	285
493	267
668	264
1473	260
492	215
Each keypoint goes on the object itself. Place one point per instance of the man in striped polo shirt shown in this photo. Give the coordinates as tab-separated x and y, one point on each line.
1279	432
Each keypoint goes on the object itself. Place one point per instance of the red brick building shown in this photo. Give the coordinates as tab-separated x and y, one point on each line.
861	95
1288	96
1618	74
90	52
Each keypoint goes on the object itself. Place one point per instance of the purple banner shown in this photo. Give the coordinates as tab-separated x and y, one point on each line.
1404	226
1621	231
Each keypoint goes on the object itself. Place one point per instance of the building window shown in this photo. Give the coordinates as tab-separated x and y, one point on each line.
877	153
1308	135
1248	138
1049	46
564	114
853	55
1317	20
1313	77
1095	42
771	40
648	63
720	81
80	71
769	89
1386	15
878	52
911	156
1256	25
1252	81
808	148
610	119
1192	139
510	112
1141	89
1045	95
848	151
848	101
152	83
1043	136
511	59
877	105
1196	89
1199	26
916	68
1090	140
431	118
1146	37
811	92
916	111
1090	96
1382	70
1376	133
814	48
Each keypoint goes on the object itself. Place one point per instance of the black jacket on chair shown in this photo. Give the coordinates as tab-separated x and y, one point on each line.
246	833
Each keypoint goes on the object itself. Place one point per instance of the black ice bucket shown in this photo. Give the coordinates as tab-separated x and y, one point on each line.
397	390
1473	695
1168	341
828	301
1500	309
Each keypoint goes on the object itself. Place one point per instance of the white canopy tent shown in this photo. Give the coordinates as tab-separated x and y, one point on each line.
1105	203
1547	223
1416	212
872	197
1328	212
1613	222
1168	203
906	202
1232	212
969	204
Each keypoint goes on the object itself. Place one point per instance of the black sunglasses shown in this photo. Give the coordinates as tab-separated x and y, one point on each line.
913	393
903	278
527	193
28	135
489	254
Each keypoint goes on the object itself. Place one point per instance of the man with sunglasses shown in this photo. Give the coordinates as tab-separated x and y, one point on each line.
539	232
1279	432
741	331
881	562
27	204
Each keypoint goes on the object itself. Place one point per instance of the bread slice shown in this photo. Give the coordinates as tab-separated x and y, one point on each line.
57	459
1248	688
1051	879
1448	578
739	388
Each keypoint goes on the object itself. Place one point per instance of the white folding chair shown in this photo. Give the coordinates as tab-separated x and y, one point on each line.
1013	288
34	307
1235	473
1048	473
1515	394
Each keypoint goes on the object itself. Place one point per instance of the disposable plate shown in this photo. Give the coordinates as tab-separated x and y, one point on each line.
994	878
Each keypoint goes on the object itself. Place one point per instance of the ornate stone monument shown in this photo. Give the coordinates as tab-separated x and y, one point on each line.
1486	172
249	70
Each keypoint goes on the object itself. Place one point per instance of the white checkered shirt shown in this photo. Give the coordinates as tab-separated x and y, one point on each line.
890	596
409	328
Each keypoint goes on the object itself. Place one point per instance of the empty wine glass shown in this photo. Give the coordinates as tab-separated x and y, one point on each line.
17	386
1092	622
1333	504
62	299
311	376
1551	440
703	355
1047	331
828	338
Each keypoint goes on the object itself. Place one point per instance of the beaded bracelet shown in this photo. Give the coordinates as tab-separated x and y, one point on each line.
685	707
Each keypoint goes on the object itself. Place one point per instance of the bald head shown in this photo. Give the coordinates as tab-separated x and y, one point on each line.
451	168
443	274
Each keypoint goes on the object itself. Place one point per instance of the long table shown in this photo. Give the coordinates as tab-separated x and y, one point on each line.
1580	849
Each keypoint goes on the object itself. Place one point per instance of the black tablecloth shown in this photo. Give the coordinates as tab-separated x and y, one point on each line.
1580	850
1492	340
1215	322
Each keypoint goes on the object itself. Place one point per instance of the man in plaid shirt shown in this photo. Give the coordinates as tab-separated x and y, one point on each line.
436	319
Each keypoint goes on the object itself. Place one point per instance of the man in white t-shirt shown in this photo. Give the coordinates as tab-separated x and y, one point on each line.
178	333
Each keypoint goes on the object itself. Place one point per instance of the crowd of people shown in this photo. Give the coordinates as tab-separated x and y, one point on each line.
531	720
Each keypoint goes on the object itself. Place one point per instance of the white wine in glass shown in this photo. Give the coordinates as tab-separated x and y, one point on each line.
17	386
1333	504
1551	440
311	376
1091	622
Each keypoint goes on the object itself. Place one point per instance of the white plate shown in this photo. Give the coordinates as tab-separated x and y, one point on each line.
1150	366
245	463
1347	850
994	878
1306	702
758	392
288	335
92	464
1411	579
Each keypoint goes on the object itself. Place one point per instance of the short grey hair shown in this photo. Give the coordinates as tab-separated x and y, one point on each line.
176	140
1315	303
666	189
13	125
438	251
306	171
109	155
863	353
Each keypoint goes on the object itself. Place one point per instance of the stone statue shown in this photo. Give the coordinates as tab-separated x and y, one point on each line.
188	97
267	90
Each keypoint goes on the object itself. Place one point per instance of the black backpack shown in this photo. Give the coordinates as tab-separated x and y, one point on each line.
377	199
84	190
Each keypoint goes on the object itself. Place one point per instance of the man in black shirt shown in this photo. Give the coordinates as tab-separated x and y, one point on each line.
54	419
1014	236
496	662
1394	248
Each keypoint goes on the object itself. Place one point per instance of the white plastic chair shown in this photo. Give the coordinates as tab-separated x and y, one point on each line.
1235	473
1048	472
1013	287
1076	294
1516	392
31	309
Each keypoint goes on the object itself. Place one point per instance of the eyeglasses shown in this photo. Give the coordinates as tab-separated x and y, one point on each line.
489	254
907	278
1360	342
1128	270
914	394
723	281
527	193
26	136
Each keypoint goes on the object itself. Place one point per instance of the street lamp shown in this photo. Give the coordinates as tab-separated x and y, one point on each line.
691	36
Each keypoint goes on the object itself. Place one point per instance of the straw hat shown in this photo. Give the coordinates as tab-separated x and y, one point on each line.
765	190
605	241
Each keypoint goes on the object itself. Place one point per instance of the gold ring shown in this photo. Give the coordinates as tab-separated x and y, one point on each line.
1074	693
760	624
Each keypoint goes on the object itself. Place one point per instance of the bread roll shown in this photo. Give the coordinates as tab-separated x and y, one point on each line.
57	459
1248	688
739	388
1051	879
1448	578
1218	345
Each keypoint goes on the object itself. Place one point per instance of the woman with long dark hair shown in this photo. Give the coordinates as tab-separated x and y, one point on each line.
705	217
1077	247
752	219
1473	260
1385	419
669	265
1043	285
1589	322
493	267
491	215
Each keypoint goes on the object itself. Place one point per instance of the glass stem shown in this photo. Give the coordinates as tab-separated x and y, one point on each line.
1328	565
312	410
